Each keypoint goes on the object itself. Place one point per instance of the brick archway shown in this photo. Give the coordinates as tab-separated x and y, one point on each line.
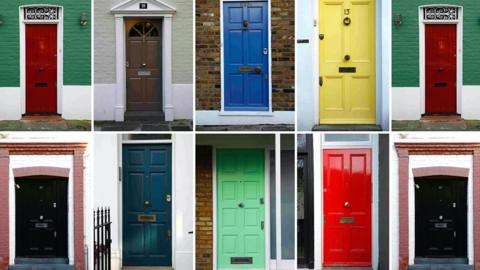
76	150
404	151
440	170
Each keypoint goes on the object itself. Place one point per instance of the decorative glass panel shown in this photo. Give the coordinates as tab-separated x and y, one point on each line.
347	137
41	13
440	13
142	29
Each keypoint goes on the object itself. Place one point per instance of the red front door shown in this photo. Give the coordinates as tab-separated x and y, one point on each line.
41	68
441	68
347	189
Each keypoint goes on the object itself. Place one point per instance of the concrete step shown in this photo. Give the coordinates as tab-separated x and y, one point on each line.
144	116
22	260
440	267
41	267
423	260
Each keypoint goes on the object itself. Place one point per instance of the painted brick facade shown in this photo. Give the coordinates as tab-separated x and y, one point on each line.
76	41
405	41
204	208
42	151
208	70
434	153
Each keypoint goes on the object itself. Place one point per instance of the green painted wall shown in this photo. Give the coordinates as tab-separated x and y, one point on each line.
76	41
405	51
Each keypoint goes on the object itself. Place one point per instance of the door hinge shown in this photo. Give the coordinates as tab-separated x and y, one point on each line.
54	234
454	205
314	23
324	220
262	201
454	234
127	64
120	174
262	225
320	81
169	233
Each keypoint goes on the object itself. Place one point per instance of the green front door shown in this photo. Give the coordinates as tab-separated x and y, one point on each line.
240	208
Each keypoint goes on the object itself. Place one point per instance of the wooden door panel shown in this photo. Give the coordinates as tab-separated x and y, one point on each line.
147	212
240	208
347	207
41	68
144	65
440	68
347	97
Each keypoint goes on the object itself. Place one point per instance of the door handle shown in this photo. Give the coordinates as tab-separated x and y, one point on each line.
262	225
241	205
258	69
320	81
346	204
347	21
347	57
147	203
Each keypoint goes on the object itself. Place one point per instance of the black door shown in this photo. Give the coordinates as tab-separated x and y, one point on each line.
441	217
41	217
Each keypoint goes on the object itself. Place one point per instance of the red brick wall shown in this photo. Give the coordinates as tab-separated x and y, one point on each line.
4	165
204	209
403	204
78	209
208	96
476	208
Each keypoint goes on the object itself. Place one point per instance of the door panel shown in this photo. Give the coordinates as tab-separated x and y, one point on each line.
347	207
347	96
246	56
144	65
41	68
41	217
240	208
147	210
441	217
441	68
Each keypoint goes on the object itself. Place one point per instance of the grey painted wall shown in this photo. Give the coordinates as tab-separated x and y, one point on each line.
182	43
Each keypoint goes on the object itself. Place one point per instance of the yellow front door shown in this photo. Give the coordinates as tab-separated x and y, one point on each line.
347	61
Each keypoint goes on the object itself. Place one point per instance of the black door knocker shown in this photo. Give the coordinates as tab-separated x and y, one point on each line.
347	20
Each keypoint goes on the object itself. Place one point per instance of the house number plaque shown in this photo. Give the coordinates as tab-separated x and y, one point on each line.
143	6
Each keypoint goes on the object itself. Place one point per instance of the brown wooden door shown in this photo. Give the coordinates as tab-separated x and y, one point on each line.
144	65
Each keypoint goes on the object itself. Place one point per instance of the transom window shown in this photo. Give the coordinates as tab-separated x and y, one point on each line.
41	13
143	29
440	13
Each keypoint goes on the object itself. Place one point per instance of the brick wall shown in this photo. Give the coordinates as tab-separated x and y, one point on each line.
208	89
4	249
204	209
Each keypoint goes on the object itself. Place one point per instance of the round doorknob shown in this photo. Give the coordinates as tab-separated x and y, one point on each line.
147	202
346	204
241	205
258	69
347	57
347	21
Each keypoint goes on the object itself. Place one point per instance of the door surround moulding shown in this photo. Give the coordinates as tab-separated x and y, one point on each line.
155	10
23	54
459	50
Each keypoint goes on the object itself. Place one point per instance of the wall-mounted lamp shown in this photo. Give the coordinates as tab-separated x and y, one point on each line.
83	20
1	19
398	20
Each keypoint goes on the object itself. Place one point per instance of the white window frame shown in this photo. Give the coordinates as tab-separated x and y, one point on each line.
23	54
421	24
222	64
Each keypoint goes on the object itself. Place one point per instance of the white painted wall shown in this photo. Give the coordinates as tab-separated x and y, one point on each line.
107	151
75	103
406	103
19	161
304	65
104	101
10	108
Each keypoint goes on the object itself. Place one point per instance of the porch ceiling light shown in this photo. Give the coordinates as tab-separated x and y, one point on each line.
398	20
83	20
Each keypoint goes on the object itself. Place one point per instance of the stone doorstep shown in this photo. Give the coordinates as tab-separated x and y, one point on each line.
440	267
441	118
346	268
345	127
48	118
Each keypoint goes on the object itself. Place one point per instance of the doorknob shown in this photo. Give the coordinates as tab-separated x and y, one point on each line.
245	23
347	21
347	57
346	204
241	205
258	69
147	203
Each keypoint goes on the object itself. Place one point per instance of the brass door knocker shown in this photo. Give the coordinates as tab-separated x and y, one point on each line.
347	21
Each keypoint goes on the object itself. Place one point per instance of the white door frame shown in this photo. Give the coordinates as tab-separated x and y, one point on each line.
421	25
319	145
267	200
123	142
222	64
128	10
23	57
378	61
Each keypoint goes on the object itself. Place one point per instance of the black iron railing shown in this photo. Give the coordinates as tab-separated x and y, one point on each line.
102	239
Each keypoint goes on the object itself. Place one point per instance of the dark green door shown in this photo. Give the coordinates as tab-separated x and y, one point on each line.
240	208
147	208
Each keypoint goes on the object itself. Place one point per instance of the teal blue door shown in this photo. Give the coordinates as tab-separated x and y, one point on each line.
147	205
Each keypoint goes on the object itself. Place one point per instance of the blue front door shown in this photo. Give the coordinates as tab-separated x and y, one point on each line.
245	38
147	205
